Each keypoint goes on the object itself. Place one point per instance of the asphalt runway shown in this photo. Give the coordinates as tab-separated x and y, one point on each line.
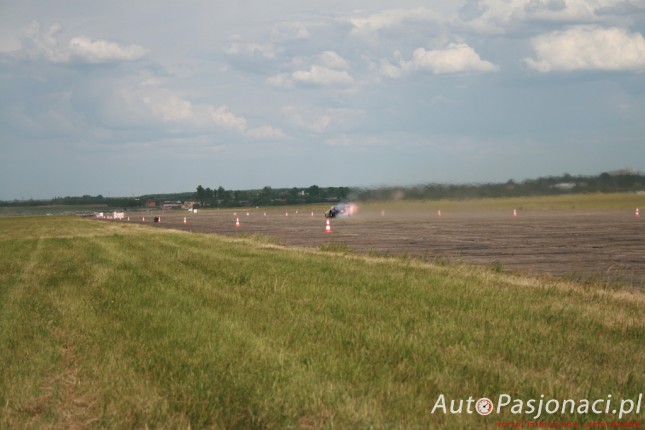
602	245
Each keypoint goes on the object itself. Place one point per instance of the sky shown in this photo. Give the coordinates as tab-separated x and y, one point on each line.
124	98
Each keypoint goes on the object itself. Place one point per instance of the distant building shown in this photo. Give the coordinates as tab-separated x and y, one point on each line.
565	186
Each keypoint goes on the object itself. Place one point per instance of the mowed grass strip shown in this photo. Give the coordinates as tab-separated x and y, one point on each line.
126	327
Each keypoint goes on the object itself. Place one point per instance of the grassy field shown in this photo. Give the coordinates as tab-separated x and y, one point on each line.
113	325
564	202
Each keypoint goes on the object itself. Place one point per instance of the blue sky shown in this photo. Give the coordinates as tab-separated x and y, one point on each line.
124	98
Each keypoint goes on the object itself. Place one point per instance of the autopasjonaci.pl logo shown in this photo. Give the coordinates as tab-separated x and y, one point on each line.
536	408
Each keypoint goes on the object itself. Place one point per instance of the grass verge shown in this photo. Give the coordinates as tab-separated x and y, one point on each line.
119	326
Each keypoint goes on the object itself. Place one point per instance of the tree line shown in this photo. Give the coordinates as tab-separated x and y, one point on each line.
551	185
624	181
267	196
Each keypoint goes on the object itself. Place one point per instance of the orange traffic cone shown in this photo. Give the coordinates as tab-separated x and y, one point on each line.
185	222
439	212
328	227
637	214
143	219
514	212
237	222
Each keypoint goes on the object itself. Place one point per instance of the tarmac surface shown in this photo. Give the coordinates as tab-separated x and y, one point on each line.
603	246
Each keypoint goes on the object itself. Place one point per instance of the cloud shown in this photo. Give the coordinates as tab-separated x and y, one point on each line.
40	44
332	60
37	44
101	51
366	27
171	108
290	31
456	58
498	16
281	80
315	120
588	48
321	75
225	118
268	50
329	69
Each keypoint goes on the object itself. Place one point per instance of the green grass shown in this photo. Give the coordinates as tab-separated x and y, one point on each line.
564	202
111	325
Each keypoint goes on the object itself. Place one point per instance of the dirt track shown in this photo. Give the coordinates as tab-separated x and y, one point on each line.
605	245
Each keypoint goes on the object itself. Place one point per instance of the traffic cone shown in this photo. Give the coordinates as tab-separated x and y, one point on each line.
637	214
143	219
185	222
439	212
328	228
237	222
514	212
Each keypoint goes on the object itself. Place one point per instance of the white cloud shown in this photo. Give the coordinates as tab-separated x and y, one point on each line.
312	119
496	16
456	58
101	51
321	75
588	48
281	80
329	69
389	70
366	27
39	44
225	118
332	60
170	108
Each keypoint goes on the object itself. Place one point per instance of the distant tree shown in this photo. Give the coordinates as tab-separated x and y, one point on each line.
201	194
265	197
